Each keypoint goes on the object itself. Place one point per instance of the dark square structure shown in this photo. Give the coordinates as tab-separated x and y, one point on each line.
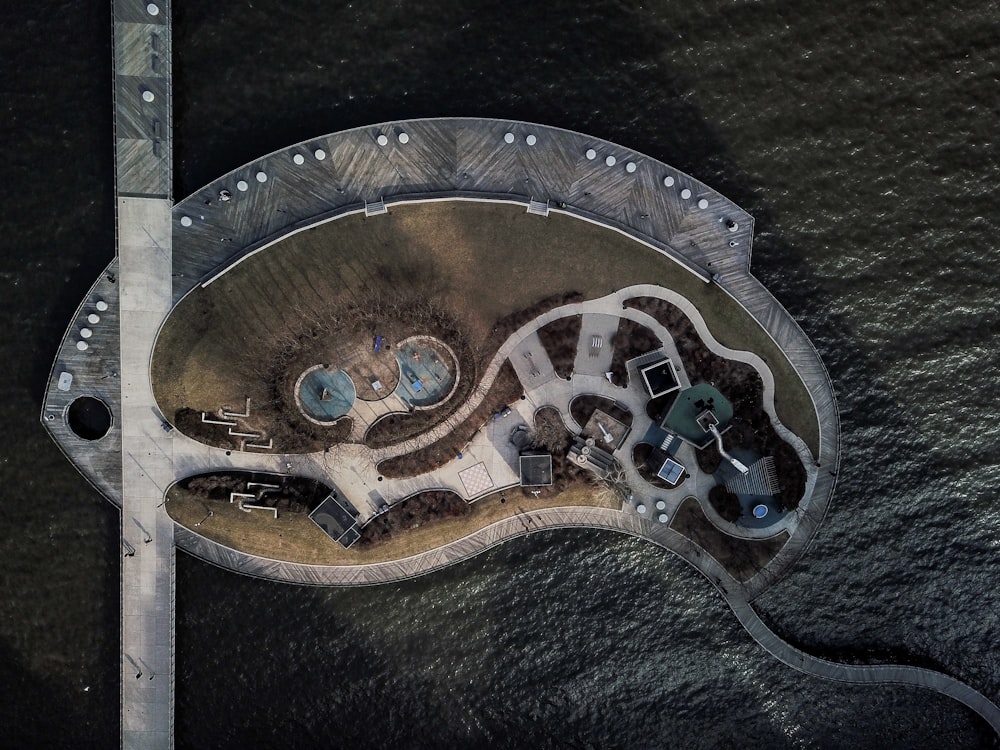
536	469
659	378
338	518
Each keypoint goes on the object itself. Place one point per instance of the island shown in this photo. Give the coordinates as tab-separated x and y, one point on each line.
382	351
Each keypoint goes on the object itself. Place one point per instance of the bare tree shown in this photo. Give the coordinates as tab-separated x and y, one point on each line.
614	485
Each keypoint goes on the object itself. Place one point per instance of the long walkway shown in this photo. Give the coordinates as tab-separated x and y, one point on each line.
147	614
594	518
144	211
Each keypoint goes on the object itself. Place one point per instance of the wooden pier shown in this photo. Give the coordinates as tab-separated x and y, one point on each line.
143	185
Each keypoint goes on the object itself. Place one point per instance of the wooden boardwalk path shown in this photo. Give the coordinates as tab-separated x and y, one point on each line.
601	519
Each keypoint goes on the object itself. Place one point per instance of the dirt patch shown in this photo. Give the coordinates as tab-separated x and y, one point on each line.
505	390
365	366
559	339
582	408
632	340
742	558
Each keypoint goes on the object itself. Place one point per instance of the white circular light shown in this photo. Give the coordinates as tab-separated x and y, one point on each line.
685	193
82	346
382	140
242	186
668	181
299	159
148	96
641	508
703	203
611	161
101	305
404	138
630	167
530	139
508	137
660	505
185	221
86	333
93	319
591	154
152	9
320	154
261	177
662	518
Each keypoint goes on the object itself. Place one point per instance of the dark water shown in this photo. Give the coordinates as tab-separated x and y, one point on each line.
863	138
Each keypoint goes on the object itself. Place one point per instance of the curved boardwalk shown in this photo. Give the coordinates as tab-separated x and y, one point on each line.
602	519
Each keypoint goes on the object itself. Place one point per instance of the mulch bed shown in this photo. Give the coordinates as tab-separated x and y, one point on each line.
411	513
632	340
559	339
294	494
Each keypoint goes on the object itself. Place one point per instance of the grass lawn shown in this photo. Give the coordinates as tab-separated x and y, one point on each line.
477	262
293	537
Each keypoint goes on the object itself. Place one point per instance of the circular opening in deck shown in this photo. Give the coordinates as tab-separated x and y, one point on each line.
89	418
325	395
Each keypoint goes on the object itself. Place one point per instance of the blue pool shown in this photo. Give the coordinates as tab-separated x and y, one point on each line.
326	395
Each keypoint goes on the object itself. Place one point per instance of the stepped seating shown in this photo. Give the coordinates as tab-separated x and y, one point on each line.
539	208
375	208
760	479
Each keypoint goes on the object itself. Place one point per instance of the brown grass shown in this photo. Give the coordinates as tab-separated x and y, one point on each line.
743	558
292	537
481	263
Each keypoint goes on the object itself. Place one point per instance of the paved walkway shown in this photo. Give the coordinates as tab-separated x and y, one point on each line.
143	185
148	468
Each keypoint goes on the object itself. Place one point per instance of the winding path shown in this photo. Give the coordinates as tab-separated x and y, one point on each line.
602	519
